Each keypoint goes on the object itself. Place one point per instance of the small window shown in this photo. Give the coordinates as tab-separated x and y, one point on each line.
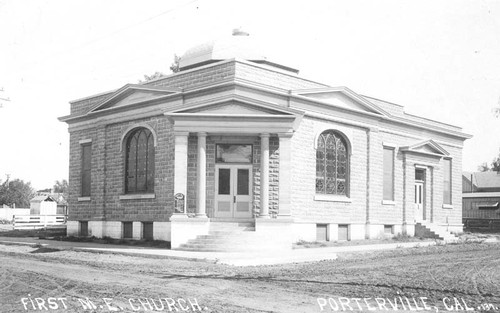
343	232
420	174
230	153
147	230
321	232
84	229
446	181
86	169
388	229
388	174
128	230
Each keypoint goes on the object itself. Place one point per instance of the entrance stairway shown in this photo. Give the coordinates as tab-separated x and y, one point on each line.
430	230
230	237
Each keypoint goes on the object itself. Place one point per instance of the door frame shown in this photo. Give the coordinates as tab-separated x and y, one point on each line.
233	188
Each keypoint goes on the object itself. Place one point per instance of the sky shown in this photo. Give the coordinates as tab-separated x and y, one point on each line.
440	59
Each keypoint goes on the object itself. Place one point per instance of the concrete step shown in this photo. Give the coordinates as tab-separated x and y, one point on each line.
431	230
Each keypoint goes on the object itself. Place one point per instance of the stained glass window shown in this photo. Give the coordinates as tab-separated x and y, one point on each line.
140	162
332	164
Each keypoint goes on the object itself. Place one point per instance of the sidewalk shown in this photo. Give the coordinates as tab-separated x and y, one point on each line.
230	258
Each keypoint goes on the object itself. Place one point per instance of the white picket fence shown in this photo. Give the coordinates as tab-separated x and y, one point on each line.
39	221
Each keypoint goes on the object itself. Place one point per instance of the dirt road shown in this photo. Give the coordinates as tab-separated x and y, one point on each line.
450	277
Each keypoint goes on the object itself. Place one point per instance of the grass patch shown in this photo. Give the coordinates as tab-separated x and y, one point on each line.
113	241
40	233
318	244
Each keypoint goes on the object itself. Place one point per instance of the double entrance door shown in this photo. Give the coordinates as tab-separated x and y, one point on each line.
233	191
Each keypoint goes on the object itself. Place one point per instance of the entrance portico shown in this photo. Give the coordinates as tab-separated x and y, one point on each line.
241	173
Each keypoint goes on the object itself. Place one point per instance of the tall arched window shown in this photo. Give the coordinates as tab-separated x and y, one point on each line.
332	164
140	162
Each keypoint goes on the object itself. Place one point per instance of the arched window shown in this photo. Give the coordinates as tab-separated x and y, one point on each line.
140	162
332	164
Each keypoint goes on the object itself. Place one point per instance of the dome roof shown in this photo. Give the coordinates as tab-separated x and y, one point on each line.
240	45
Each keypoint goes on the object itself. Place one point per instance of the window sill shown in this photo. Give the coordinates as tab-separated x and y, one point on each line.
388	202
332	198
138	196
83	199
447	206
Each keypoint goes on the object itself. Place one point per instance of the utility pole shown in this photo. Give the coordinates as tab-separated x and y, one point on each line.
3	99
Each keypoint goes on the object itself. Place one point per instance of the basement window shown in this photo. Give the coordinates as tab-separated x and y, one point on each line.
388	229
127	230
321	232
84	229
147	230
343	232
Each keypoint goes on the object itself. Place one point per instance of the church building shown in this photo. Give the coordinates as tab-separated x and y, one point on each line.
238	152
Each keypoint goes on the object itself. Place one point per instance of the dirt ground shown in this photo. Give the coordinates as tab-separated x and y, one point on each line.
452	277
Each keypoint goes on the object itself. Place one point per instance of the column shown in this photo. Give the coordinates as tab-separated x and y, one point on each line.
180	168
285	175
264	176
202	175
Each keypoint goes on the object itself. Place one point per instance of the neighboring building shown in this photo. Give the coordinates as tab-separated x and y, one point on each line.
43	205
481	197
233	137
62	204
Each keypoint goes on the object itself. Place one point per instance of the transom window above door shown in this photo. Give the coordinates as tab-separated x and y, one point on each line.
234	153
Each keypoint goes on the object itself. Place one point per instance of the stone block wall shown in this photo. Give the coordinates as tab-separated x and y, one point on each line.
304	205
366	204
108	175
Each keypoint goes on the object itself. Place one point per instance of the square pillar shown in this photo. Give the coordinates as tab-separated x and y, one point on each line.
202	176
180	171
285	175
264	176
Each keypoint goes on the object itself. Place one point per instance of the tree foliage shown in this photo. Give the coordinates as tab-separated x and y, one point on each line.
493	166
174	67
62	187
483	167
154	76
16	192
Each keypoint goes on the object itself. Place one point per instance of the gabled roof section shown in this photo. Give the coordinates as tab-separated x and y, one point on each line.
428	147
483	180
340	97
235	114
234	105
131	94
43	198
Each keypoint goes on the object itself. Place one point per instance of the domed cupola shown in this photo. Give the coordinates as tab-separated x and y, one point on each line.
240	46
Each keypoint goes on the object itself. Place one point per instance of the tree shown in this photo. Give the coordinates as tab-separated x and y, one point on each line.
154	76
483	167
62	187
495	165
174	67
16	192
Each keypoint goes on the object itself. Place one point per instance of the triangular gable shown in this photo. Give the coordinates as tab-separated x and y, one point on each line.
133	94
340	97
429	147
236	105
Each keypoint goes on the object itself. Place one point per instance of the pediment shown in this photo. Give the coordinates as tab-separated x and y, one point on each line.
341	97
236	105
133	94
429	147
